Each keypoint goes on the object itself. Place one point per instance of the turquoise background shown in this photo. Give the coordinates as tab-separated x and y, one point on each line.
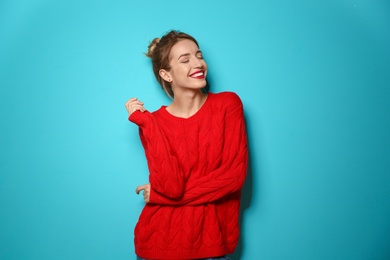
314	77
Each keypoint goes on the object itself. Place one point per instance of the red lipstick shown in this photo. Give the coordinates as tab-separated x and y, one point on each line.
199	74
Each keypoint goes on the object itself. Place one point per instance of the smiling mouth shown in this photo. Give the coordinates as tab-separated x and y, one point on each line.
197	74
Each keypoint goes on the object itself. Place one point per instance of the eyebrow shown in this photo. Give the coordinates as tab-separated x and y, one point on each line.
187	54
183	55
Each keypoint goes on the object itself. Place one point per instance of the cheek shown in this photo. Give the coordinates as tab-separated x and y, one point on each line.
205	65
205	68
179	74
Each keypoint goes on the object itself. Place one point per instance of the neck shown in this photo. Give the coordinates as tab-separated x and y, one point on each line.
187	104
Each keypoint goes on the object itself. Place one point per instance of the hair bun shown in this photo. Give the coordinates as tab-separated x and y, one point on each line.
152	46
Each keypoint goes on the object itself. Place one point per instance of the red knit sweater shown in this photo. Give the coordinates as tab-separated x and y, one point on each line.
197	167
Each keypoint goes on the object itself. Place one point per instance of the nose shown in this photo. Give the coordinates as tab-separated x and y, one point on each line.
198	63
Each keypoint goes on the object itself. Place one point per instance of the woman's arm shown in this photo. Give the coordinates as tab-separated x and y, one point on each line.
165	176
226	179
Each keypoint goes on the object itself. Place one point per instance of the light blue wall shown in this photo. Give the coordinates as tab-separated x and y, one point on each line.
314	77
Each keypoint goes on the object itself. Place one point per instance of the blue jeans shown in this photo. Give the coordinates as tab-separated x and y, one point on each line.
213	258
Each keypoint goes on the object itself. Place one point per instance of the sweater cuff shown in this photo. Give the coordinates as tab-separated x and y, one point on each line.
156	198
153	197
137	117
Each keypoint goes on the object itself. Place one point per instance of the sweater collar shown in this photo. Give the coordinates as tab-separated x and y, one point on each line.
195	117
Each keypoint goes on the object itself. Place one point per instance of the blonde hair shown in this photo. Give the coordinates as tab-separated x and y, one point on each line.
159	50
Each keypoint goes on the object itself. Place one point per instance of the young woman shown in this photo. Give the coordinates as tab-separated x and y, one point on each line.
196	149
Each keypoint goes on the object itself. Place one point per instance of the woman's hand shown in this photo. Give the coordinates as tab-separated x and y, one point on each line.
133	104
146	189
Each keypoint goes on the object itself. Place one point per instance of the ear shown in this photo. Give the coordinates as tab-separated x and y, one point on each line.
165	75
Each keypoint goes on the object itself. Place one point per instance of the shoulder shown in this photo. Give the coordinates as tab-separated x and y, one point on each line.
159	111
227	99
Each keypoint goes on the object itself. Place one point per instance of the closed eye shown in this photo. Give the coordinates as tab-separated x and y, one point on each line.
199	55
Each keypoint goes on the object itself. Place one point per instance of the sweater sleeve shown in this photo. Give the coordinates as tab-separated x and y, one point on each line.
164	171
228	177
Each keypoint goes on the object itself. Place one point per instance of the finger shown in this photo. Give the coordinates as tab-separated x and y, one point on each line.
140	188
142	109
146	196
137	107
133	107
132	101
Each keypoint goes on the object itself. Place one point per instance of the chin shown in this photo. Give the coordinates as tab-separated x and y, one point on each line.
203	84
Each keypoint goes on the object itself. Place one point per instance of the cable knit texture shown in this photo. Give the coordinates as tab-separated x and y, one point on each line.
197	167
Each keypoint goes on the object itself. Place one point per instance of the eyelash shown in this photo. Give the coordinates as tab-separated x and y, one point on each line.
186	61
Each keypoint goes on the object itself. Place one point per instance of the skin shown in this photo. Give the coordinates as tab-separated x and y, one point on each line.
185	60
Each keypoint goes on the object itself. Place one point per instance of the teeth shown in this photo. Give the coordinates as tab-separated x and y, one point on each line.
198	74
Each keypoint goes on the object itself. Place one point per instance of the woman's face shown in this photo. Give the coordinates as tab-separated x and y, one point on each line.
188	68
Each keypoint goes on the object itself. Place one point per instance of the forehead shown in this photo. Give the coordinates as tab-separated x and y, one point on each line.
183	47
